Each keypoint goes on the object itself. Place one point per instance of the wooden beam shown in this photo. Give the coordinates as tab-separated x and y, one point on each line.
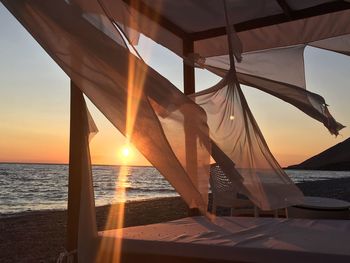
285	7
188	71
272	20
158	18
76	143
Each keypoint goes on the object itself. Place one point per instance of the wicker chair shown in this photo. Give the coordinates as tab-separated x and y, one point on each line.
225	194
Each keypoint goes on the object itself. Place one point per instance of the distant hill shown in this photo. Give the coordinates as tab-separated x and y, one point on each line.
336	158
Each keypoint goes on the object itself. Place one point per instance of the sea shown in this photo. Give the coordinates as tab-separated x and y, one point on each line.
33	187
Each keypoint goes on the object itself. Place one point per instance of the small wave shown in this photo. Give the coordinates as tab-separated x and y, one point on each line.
30	186
150	190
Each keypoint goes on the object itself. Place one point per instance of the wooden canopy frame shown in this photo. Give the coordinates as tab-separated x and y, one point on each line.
188	39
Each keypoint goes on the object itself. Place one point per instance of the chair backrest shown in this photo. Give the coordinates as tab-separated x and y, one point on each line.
222	187
224	190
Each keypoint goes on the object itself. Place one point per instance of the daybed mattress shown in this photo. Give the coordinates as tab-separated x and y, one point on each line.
240	239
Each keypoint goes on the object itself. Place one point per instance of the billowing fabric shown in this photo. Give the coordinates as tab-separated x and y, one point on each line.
297	32
146	107
87	232
224	190
235	131
168	21
143	105
210	15
81	204
169	129
340	44
281	73
273	59
273	55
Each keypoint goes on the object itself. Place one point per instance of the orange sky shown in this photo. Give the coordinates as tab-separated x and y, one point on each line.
34	105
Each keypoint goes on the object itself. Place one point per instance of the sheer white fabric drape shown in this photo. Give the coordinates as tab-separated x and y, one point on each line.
235	131
87	232
160	118
268	52
281	73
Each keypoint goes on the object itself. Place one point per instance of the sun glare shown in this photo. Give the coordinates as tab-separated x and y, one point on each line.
126	153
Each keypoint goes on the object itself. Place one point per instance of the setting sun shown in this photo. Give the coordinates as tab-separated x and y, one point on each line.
126	153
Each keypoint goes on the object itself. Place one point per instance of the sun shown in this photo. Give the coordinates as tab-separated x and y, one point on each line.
126	153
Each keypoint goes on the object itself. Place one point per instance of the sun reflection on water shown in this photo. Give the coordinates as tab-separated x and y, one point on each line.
110	249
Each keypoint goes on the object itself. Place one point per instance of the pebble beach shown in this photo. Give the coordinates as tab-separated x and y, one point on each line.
39	236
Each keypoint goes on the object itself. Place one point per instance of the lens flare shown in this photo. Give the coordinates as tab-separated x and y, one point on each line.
126	153
115	220
136	77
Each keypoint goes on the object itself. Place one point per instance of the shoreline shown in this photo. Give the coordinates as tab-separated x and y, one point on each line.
67	164
39	236
32	212
311	188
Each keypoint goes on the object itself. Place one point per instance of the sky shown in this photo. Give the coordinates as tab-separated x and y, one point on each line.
34	104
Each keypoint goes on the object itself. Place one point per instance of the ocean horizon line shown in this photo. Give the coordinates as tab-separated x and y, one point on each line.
94	164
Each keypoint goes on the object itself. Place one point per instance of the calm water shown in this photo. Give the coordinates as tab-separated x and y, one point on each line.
26	187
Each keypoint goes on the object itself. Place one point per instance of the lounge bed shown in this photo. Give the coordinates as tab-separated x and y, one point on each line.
321	208
232	239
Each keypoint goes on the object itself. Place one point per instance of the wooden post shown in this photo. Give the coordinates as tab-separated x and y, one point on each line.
188	71
76	142
190	139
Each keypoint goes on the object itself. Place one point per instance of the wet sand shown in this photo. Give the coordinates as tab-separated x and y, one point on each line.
40	236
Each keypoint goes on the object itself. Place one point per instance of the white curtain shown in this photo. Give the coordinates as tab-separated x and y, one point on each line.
235	131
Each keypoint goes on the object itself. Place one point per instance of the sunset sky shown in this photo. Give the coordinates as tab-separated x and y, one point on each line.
34	104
